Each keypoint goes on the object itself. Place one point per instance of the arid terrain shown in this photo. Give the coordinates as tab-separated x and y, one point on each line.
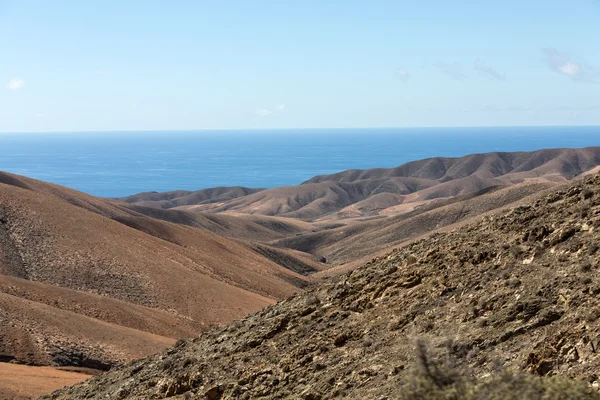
20	382
88	282
351	216
512	291
94	283
357	193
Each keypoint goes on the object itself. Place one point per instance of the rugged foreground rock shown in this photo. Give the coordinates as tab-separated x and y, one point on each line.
518	291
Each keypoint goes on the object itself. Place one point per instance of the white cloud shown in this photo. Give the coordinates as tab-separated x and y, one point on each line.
265	112
570	69
15	84
484	69
453	70
402	74
563	64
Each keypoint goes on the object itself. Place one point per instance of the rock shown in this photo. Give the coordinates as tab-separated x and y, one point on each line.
213	393
411	259
341	339
411	281
562	235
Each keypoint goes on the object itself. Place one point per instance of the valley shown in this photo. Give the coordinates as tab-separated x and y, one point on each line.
509	297
93	283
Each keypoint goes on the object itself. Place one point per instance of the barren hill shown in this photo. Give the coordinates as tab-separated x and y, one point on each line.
356	193
91	282
179	198
357	239
357	214
515	290
566	162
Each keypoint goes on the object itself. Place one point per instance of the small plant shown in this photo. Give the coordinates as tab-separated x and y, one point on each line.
584	210
587	193
585	267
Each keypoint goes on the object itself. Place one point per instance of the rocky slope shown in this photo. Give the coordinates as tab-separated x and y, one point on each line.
516	290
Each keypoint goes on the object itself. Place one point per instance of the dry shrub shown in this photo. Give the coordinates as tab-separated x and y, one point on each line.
435	380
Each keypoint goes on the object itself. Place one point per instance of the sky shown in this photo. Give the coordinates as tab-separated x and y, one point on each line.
185	65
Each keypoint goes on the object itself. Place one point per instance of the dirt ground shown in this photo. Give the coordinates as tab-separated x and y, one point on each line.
26	382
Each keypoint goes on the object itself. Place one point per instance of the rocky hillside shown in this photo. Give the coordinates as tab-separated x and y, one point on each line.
515	291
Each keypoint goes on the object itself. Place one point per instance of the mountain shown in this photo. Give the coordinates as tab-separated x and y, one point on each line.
357	193
511	291
90	282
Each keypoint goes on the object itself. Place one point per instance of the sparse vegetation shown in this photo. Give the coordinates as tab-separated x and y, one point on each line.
503	386
515	251
435	380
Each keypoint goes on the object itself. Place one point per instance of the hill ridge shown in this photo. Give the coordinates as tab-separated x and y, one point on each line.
328	196
407	169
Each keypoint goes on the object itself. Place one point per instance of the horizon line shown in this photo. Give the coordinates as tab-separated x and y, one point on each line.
294	129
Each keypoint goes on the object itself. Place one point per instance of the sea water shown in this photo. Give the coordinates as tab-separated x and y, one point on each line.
115	164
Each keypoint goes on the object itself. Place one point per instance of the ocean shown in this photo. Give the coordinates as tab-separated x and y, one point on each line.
116	164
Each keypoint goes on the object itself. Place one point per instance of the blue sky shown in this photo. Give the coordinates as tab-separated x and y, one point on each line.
153	65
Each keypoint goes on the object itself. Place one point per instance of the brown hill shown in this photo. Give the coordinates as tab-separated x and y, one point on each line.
567	162
357	214
239	226
513	291
362	238
183	197
311	201
348	241
91	282
356	193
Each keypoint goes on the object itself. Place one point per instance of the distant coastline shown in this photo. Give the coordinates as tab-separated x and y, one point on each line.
113	164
